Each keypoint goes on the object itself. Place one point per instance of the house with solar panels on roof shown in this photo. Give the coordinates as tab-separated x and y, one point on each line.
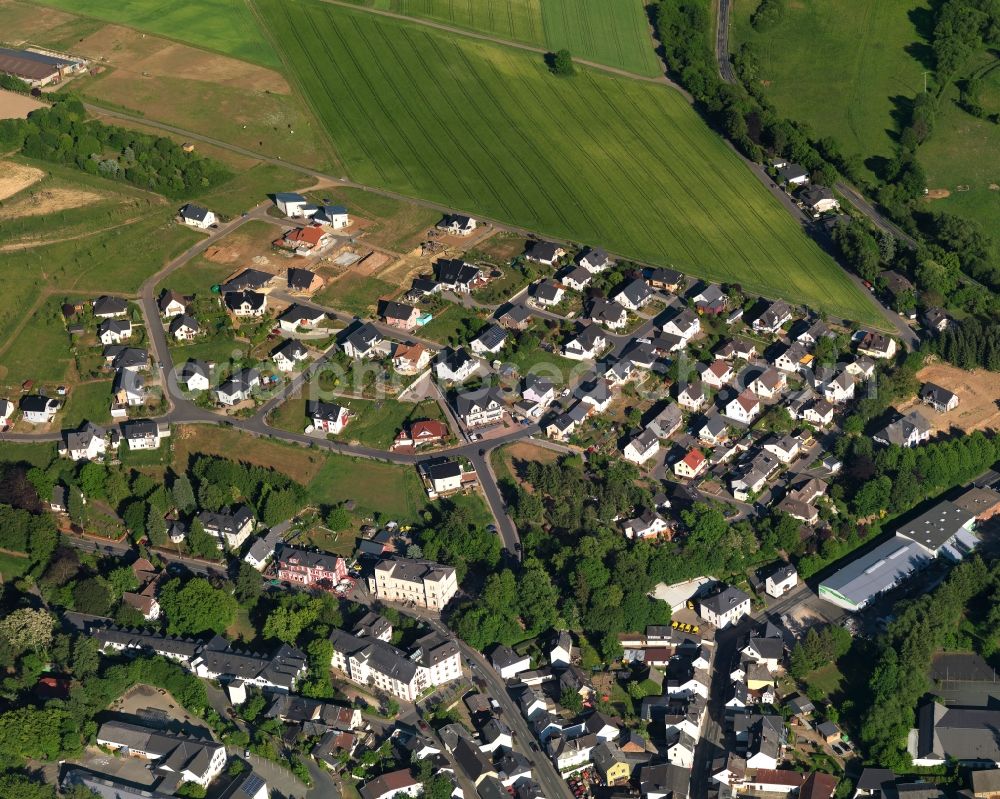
946	530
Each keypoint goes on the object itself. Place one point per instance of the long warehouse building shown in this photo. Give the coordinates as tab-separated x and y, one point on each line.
38	69
946	530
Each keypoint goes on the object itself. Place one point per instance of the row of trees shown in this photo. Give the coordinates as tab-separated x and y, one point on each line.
970	344
220	482
62	134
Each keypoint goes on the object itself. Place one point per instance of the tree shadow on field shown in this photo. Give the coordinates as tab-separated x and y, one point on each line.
923	25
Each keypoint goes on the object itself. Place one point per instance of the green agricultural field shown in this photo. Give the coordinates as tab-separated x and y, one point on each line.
225	26
839	64
614	32
486	128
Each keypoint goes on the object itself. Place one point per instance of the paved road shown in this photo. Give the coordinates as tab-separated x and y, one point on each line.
722	42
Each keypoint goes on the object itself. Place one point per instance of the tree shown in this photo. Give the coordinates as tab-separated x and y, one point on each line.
201	544
74	505
121	580
249	585
339	518
183	493
562	63
28	628
196	607
92	595
92	477
156	527
571	700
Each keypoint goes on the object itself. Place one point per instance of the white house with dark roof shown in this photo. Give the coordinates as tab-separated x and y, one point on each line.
245	303
769	383
938	397
647	524
908	431
781	580
595	260
36	409
547	293
773	317
231	527
685	325
196	216
576	278
238	387
692	397
144	433
544	252
457	225
336	217
608	313
877	345
327	417
363	342
289	354
195	375
455	366
296	316
89	442
633	295
641	448
508	663
171	303
184	328
489	341
106	307
724	608
586	345
114	331
480	407
290	203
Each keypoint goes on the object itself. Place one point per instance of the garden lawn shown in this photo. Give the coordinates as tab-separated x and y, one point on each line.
356	294
40	351
486	128
37	454
225	26
394	492
88	402
399	226
839	65
251	187
12	565
451	324
612	32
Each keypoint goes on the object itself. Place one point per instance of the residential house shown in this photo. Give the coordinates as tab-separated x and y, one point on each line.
641	448
144	433
196	216
333	216
561	651
508	663
425	583
458	276
171	303
89	442
793	175
489	341
838	389
691	465
664	781
362	343
195	375
666	422
743	408
231	528
710	300
595	260
327	417
611	763
457	225
483	406
737	348
398	314
290	203
586	344
238	387
570	753
773	317
665	279
608	313
544	252
391	785
114	331
781	580
692	397
421	433
685	325
813	333
633	295
784	448
862	367
127	391
576	278
303	281
715	374
308	569
6	413
909	431
245	303
818	200
515	317
648	524
877	345
184	328
818	412
714	431
547	293
445	476
936	319
966	735
36	409
794	359
298	316
106	307
410	359
132	358
724	608
680	748
289	354
455	366
597	393
248	280
536	395
939	398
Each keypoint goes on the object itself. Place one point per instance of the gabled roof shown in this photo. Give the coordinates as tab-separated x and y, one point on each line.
105	305
247	279
236	299
491	336
725	600
183	320
468	401
296	313
299	279
291	349
635	290
548	290
395	310
327	411
602	310
195	212
542	250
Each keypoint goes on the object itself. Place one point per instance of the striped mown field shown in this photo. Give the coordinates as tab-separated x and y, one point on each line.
595	158
612	32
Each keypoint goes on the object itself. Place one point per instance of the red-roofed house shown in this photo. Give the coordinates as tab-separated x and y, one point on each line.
303	239
744	408
691	465
427	431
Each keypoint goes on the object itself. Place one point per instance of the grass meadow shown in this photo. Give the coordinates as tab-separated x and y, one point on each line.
487	129
224	26
839	64
613	33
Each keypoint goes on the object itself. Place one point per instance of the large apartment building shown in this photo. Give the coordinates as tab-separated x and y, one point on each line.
372	662
425	583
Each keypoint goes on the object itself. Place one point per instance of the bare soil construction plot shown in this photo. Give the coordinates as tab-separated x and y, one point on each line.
48	201
978	397
16	106
15	178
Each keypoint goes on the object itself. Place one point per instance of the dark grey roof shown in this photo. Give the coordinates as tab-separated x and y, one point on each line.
235	299
288	196
297	312
491	336
283	553
226	522
814	194
790	171
725	600
196	212
129	357
872	779
241	381
602	310
299	279
467	401
34	403
291	349
395	310
936	394
547	290
595	256
542	250
327	411
665	779
118	326
960	733
455	272
194	367
363	337
635	290
248	279
935	528
183	320
109	305
139	428
444	470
